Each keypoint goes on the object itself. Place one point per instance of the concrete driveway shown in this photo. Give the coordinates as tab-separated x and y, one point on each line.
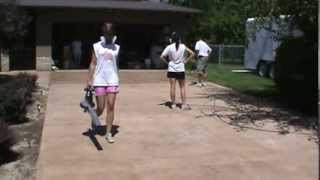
154	142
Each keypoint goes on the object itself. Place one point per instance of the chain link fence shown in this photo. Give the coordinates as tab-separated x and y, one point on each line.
227	54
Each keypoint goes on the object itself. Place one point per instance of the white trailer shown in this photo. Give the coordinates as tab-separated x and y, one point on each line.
262	43
261	47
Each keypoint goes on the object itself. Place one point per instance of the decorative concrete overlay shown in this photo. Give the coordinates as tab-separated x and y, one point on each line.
154	142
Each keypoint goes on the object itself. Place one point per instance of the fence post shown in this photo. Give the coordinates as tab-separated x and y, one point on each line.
220	50
222	56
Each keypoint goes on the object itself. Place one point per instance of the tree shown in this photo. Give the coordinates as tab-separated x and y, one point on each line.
13	24
296	60
223	21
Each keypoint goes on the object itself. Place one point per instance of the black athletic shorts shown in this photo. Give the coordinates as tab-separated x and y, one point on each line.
176	75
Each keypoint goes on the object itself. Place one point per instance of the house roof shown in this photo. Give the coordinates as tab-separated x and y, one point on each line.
107	4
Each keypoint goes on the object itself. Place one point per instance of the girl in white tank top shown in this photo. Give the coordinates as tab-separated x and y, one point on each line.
103	75
175	54
106	72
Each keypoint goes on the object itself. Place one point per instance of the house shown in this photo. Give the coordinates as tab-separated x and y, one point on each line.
140	26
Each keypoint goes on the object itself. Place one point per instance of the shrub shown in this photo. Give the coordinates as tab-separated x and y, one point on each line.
296	73
6	141
4	132
15	95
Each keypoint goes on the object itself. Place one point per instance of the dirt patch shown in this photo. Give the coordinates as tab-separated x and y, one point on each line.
257	113
27	137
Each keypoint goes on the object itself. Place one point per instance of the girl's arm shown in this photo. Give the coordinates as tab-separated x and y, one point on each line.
191	56
164	55
163	58
92	68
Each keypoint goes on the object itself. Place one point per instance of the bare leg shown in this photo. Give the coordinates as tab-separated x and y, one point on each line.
172	90
182	84
111	98
100	104
205	78
199	77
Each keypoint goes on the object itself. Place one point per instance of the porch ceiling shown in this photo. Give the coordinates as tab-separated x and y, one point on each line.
107	4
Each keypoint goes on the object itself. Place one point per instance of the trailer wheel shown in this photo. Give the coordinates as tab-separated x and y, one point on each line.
262	69
271	71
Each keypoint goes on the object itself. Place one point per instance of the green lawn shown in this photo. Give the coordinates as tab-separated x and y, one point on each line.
248	83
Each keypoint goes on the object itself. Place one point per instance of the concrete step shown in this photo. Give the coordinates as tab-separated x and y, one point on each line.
126	76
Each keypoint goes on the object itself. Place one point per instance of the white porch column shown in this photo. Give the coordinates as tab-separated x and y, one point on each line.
43	45
5	61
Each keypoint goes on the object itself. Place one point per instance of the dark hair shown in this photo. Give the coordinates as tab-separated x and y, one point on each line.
107	26
176	38
200	36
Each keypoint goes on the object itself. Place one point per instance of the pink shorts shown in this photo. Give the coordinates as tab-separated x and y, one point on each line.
104	90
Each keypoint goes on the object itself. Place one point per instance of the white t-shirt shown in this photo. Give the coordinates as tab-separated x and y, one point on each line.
176	57
203	48
106	71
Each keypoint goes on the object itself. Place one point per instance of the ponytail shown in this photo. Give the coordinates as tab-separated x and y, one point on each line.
177	44
176	39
